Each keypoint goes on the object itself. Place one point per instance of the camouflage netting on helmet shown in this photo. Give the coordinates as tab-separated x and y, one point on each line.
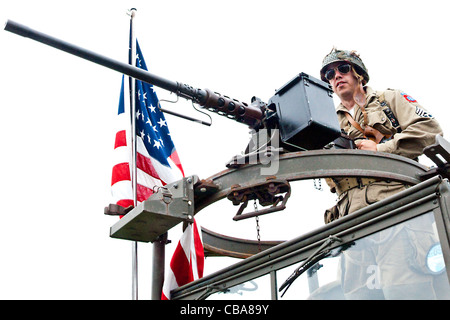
343	55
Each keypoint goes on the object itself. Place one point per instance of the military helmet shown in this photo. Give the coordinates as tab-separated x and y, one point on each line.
348	56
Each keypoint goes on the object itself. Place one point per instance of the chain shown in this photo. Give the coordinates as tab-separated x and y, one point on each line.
318	186
258	228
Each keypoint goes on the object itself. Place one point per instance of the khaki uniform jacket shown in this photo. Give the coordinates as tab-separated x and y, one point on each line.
418	128
403	245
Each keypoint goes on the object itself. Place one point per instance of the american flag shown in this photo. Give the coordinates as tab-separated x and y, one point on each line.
157	164
187	261
157	160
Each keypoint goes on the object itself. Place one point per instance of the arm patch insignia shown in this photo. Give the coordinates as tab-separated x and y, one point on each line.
408	97
422	113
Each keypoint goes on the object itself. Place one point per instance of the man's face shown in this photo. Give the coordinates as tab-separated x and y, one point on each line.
343	84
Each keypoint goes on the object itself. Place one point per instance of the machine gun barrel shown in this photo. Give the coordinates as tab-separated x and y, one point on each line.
213	101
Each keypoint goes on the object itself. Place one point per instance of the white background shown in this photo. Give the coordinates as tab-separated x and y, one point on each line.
57	115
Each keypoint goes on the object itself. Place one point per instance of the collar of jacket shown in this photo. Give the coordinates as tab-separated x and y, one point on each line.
370	95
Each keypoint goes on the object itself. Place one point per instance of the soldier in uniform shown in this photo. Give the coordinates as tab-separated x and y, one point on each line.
385	121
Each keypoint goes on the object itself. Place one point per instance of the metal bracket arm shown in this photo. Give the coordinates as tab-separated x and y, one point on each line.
267	193
439	153
168	206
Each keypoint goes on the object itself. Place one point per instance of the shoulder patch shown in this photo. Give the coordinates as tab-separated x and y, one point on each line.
408	97
422	113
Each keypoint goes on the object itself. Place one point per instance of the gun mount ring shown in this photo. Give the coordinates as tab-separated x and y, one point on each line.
296	166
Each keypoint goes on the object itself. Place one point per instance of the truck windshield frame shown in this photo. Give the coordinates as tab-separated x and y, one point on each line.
430	197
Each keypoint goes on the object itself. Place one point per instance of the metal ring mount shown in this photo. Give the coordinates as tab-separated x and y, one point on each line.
296	166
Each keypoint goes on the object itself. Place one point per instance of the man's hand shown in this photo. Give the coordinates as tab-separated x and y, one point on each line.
366	145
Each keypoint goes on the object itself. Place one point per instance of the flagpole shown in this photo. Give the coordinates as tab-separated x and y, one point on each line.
159	245
132	61
158	266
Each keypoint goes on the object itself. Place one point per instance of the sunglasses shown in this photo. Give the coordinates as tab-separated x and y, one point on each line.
343	69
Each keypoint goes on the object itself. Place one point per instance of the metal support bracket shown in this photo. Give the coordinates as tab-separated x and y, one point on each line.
439	153
168	206
267	193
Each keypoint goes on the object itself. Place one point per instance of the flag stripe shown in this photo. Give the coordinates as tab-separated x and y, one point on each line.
143	193
176	160
122	190
179	264
199	253
121	172
145	164
121	139
147	180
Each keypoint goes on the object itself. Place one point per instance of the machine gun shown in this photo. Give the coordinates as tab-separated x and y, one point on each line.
302	109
